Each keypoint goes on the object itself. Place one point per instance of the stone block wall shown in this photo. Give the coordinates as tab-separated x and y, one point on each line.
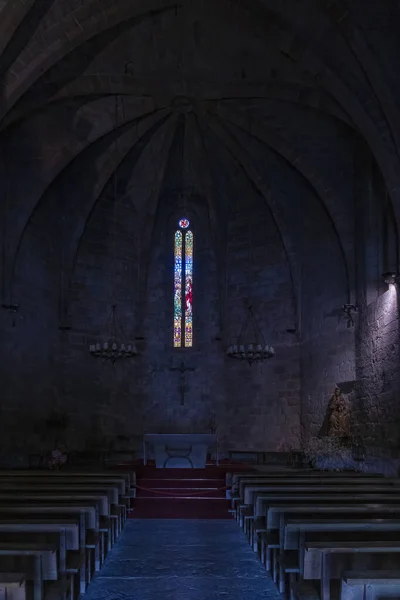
47	369
256	407
99	395
263	402
29	351
271	128
377	410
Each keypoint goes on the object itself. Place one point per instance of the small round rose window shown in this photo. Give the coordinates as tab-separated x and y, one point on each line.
184	223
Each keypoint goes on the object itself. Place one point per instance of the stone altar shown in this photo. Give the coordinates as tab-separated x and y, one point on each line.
180	450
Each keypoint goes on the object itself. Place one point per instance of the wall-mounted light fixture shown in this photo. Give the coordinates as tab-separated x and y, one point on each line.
390	278
349	310
13	308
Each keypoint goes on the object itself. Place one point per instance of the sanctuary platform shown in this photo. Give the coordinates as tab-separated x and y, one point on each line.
182	493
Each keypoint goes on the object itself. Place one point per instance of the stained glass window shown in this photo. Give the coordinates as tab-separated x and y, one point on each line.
188	289
183	286
178	289
184	223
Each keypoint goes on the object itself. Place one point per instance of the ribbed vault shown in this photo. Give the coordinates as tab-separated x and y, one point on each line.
90	88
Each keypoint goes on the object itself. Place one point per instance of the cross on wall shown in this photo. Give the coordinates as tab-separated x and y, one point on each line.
182	369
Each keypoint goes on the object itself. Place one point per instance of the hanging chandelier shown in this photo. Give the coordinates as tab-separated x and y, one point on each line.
115	346
250	344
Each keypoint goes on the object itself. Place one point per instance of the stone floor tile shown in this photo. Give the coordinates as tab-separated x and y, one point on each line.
182	560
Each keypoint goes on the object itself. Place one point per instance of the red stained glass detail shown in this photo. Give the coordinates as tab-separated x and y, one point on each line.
184	223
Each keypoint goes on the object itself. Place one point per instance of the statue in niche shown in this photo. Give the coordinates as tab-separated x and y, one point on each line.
339	417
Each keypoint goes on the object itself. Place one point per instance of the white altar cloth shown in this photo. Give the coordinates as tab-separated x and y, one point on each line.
180	450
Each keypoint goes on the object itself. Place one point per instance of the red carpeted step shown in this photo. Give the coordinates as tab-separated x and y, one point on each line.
180	493
181	509
153	473
154	483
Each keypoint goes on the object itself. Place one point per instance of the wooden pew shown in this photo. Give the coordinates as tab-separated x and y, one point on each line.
12	586
89	534
119	503
370	585
47	479
275	511
113	514
339	500
100	501
128	476
122	496
268	539
326	548
57	565
19	485
235	477
269	505
95	502
294	532
89	509
239	478
27	504
250	487
71	537
301	488
108	520
263	501
40	565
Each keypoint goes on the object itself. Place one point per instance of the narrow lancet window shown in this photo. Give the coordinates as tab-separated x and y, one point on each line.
178	289
183	286
188	289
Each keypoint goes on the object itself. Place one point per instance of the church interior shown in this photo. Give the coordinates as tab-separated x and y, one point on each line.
199	276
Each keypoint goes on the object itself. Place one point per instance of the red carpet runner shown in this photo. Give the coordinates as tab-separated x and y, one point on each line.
181	493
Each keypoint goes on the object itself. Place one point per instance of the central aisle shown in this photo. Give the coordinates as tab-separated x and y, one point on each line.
182	560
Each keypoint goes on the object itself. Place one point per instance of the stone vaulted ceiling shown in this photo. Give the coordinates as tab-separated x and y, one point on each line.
94	86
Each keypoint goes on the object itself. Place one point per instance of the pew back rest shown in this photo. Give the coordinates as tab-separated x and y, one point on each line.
262	501
100	499
251	491
334	478
91	514
66	480
128	476
275	511
111	491
71	528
